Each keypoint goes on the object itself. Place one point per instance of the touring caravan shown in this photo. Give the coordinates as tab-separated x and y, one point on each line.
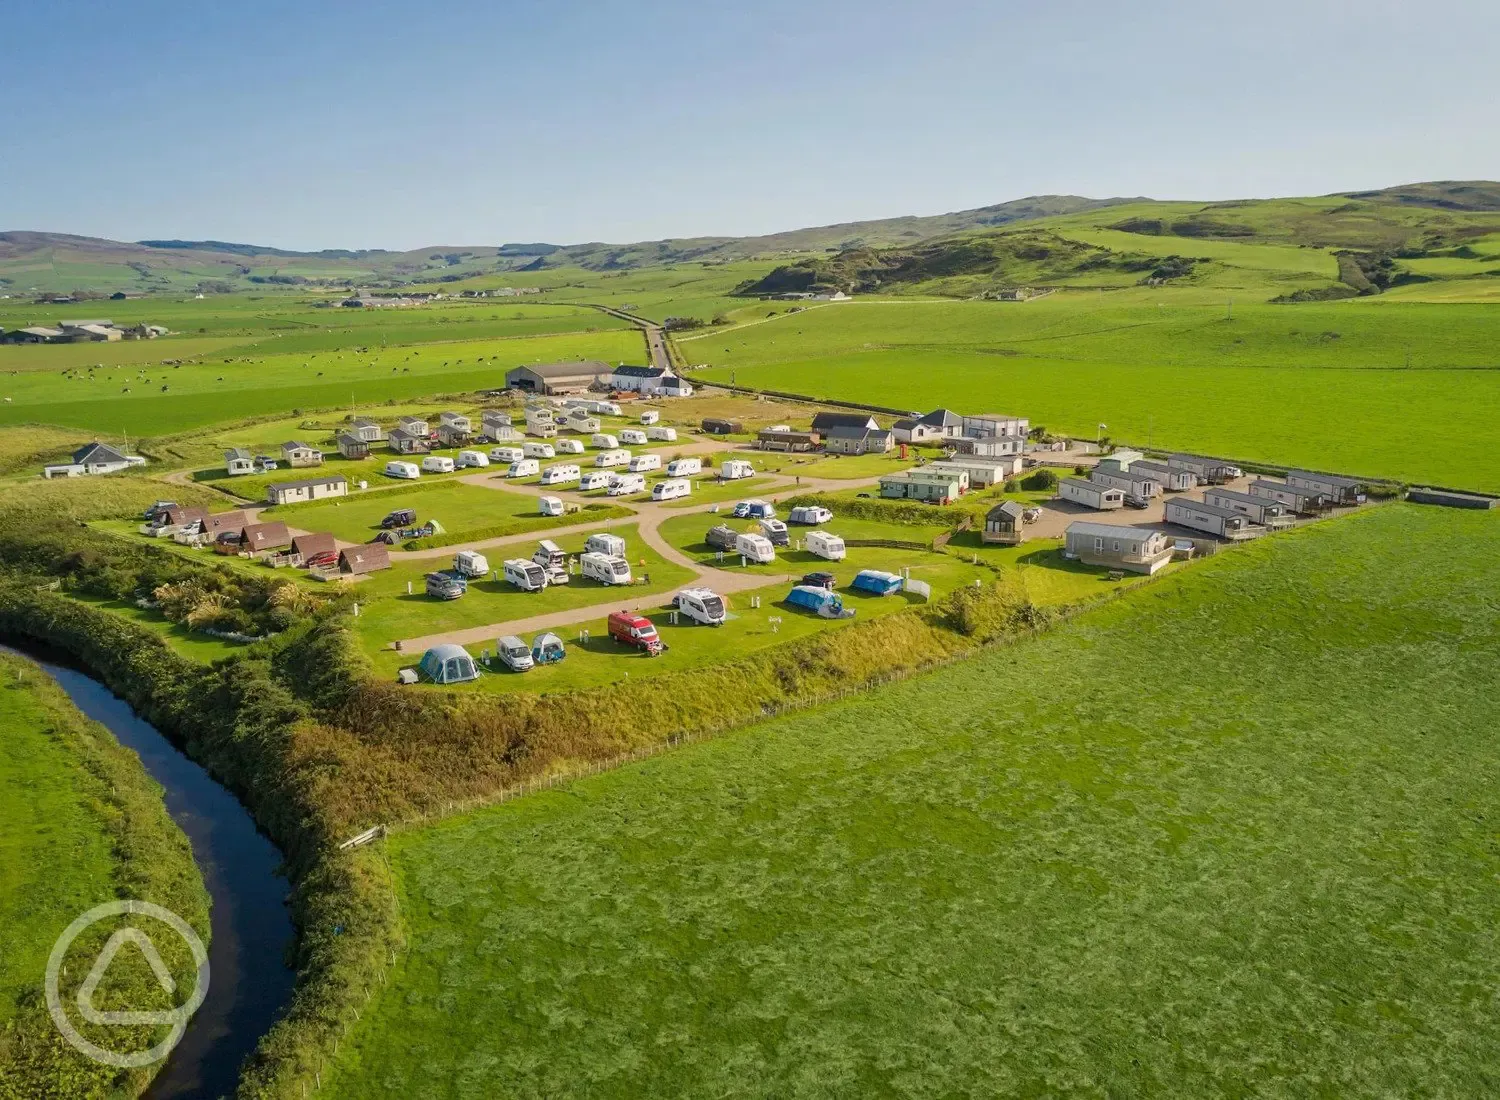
610	545
671	489
560	474
402	470
684	467
538	450
524	467
507	455
603	441
754	548
528	576
476	459
624	484
650	416
513	653
735	468
594	479
470	563
612	458
816	598
641	464
701	605
569	446
437	464
633	436
551	506
662	435
776	531
605	569
809	515
552	558
824	545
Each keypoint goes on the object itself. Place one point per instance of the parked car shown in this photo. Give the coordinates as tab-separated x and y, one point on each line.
401	517
514	654
445	586
1134	500
628	628
818	580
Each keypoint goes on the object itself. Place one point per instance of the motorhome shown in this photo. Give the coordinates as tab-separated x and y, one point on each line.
684	467
603	441
809	515
776	531
735	469
471	563
624	484
506	455
402	470
633	436
553	559
650	416
671	488
754	548
560	474
513	653
437	464
594	479
551	506
475	459
524	467
612	458
605	569
538	450
628	628
569	446
662	435
528	576
701	605
641	464
824	545
721	537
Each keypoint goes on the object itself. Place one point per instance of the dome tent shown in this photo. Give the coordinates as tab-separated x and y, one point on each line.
546	648
448	664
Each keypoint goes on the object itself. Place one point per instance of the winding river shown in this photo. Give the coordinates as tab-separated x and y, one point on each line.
252	930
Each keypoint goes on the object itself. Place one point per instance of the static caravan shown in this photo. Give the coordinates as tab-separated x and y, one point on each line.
641	464
623	485
569	446
756	548
650	416
735	469
603	441
1101	498
1173	479
702	605
925	483
437	464
611	546
1133	549
582	423
538	450
560	474
671	488
825	545
476	459
1135	481
523	467
605	569
662	435
528	576
1339	490
406	470
1211	520
634	436
1003	524
980	471
683	467
594	479
612	458
1305	502
1208	471
1262	510
507	455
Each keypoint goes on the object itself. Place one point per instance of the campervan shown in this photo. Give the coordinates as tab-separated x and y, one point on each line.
605	569
437	464
776	531
650	416
506	455
824	545
735	468
470	563
671	489
633	436
513	653
624	484
523	467
594	479
528	576
754	548
610	545
471	458
809	515
445	586
662	435
402	470
553	560
569	446
603	441
816	598
537	450
560	474
683	467
612	458
641	464
721	537
628	628
755	509
551	506
701	605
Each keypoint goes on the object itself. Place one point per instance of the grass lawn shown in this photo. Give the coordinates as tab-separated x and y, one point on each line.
1229	835
187	643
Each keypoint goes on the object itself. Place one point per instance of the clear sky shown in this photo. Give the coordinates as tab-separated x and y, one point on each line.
319	123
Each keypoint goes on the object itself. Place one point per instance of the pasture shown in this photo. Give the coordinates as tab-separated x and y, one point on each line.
1210	839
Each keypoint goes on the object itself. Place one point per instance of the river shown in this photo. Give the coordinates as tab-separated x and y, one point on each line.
250	982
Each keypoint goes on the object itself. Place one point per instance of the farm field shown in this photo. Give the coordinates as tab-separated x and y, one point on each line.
1220	885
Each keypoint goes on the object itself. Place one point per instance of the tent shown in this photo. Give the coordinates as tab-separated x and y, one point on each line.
448	664
546	648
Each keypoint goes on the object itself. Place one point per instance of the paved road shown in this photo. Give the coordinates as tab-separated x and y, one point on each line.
656	338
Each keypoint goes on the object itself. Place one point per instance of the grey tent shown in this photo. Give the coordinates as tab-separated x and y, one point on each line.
448	664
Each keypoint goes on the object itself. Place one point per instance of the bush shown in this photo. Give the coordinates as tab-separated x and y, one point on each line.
1041	481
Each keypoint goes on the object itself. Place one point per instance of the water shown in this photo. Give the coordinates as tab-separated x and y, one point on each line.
252	930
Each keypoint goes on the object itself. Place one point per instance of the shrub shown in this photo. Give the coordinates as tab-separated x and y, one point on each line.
1040	481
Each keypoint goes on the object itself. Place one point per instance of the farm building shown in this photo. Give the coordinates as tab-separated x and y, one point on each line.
238	461
312	488
1208	471
1132	480
769	440
1002	524
1303	502
1172	480
1210	519
363	428
713	425
93	459
351	446
981	470
404	442
1090	494
1132	549
649	382
357	560
557	378
1339	490
1259	509
852	434
1447	498
307	547
299	455
927	484
224	523
258	537
34	334
935	427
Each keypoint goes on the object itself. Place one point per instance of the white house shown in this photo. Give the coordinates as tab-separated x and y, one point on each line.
649	381
297	454
238	461
94	458
935	427
313	488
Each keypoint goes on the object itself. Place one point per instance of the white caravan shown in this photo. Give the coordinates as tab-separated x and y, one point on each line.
402	470
605	569
622	485
437	464
612	546
612	458
824	545
701	605
594	479
524	467
506	455
754	548
641	464
671	488
662	435
650	416
528	576
569	446
470	563
476	459
560	474
735	468
551	506
682	467
633	436
603	441
538	450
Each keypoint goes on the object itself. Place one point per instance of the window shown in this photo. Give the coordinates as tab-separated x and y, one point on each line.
1098	544
1117	546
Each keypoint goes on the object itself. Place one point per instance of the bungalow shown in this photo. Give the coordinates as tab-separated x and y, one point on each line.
1002	524
1305	502
715	426
852	434
981	470
770	439
352	446
238	461
936	486
649	381
1261	510
404	442
367	430
1339	490
1208	471
414	425
454	430
557	378
299	455
1211	519
313	488
308	549
356	560
175	519
1132	549
92	459
1090	494
936	426
1134	480
259	537
224	523
1173	480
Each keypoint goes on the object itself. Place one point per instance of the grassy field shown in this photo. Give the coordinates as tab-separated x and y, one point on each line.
187	643
1228	835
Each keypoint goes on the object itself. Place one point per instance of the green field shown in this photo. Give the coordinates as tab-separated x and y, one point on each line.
1211	839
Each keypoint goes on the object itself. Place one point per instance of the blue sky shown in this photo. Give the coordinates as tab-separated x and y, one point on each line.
401	125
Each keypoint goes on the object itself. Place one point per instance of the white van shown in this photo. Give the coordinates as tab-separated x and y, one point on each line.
514	654
702	605
603	441
611	546
825	545
622	485
662	435
671	489
633	436
594	479
551	506
682	467
402	470
524	467
471	458
650	416
506	455
612	458
569	446
641	464
735	468
471	563
559	474
605	569
538	450
528	576
437	464
754	548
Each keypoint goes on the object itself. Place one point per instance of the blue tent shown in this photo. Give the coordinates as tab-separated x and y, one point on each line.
448	664
877	582
547	648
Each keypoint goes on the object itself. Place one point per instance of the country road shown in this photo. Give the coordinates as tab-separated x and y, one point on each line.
656	337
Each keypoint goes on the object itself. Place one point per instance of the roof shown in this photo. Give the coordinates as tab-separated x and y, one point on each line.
1183	457
41	330
225	521
1248	498
320	542
179	515
1005	508
445	652
1131	474
411	420
905	424
237	453
365	422
307	482
1110	530
1091	486
640	372
402	433
295	445
1327	479
566	370
1211	509
993	416
1282	487
96	330
266	534
97	452
767	433
942	418
345	437
825	421
1153	467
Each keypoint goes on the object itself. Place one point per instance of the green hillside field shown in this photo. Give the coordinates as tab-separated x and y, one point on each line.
1230	834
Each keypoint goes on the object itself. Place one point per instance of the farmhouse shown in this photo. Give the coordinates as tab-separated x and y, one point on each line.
1134	480
404	442
936	426
299	455
770	439
454	429
1304	502
91	459
924	483
713	425
981	470
358	560
1133	549
1208	471
649	381
1002	524
1210	519
852	434
307	548
1173	480
238	461
264	536
1259	509
1339	490
313	488
352	446
367	430
557	378
1090	494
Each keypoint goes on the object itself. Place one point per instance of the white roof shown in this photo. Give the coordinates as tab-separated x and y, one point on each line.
1110	530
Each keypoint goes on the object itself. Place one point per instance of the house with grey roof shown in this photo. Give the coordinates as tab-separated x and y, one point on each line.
238	462
1117	546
